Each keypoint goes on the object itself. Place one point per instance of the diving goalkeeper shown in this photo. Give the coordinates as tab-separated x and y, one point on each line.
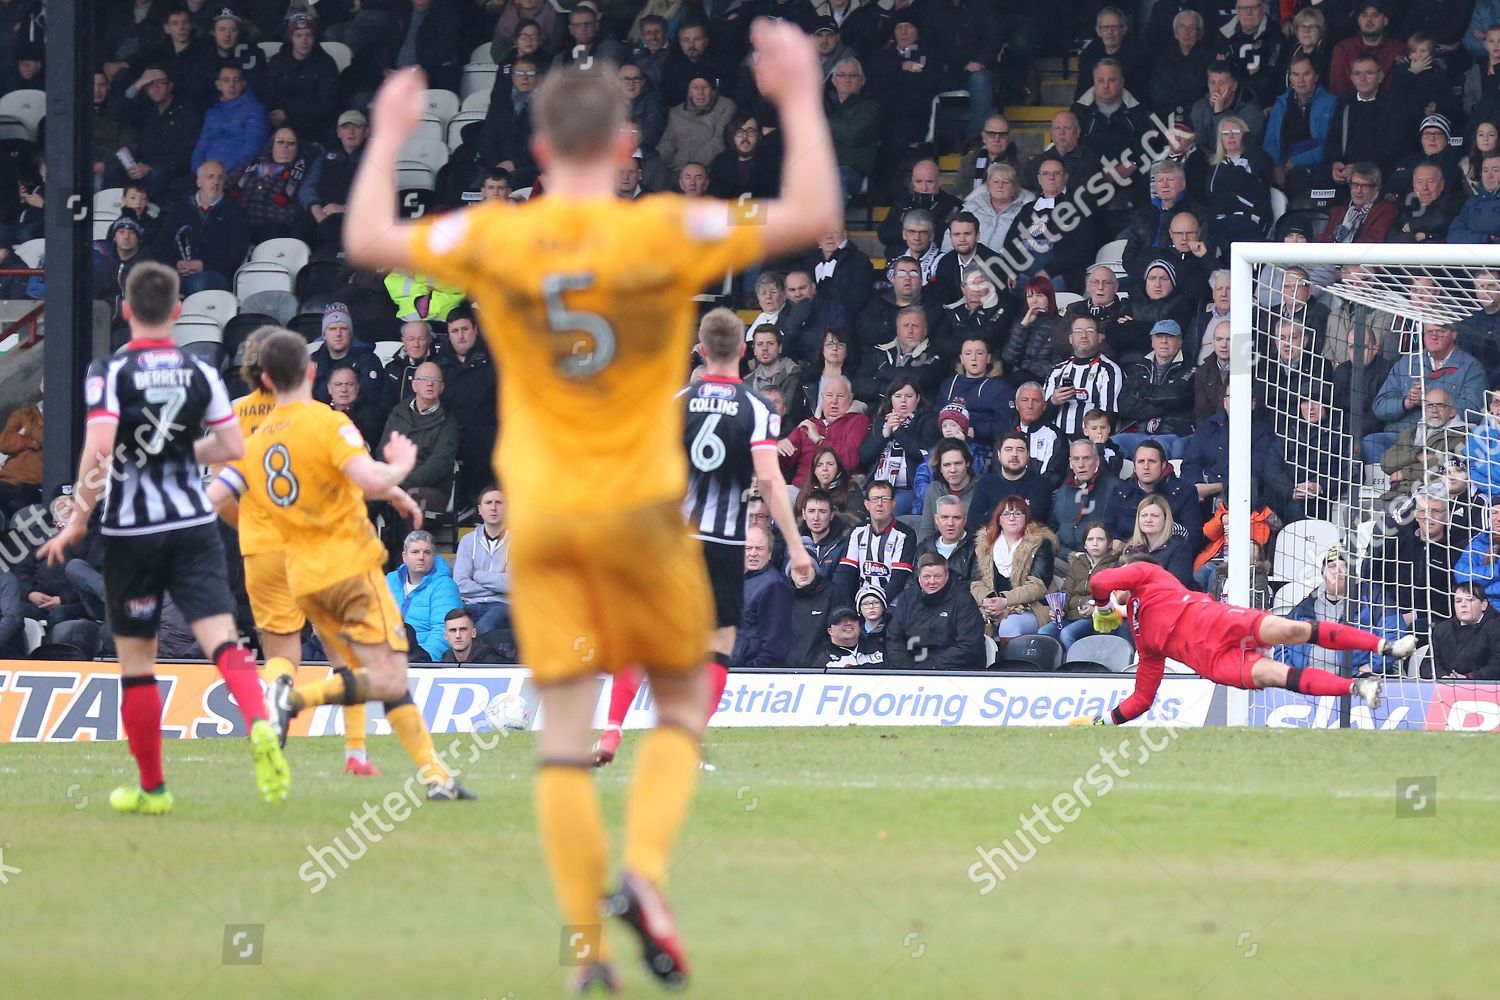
1218	641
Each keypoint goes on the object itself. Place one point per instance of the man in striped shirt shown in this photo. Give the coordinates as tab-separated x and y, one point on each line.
1086	381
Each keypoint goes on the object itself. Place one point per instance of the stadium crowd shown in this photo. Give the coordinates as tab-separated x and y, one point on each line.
1028	383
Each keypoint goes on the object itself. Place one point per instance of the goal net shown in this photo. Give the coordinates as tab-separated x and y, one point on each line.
1362	433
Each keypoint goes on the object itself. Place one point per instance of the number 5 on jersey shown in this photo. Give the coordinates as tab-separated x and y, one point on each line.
575	358
281	484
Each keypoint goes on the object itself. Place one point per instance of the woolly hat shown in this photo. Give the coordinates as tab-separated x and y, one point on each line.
337	312
959	414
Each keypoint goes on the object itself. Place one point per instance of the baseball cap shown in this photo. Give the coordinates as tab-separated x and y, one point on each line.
227	13
842	612
823	24
353	118
1167	326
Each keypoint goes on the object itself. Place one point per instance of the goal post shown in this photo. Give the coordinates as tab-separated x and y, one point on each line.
1296	309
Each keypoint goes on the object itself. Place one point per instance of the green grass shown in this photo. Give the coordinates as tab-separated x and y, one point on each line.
818	863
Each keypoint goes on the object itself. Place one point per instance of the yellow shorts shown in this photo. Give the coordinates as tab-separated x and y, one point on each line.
357	610
602	592
271	599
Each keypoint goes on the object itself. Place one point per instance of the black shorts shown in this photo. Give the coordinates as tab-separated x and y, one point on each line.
726	578
188	563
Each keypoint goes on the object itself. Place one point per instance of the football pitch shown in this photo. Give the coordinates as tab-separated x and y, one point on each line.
818	863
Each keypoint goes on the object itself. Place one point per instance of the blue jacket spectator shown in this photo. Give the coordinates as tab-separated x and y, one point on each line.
425	603
1480	562
236	128
1307	152
1486	13
209	226
1443	366
989	400
1483	452
1373	615
1479	220
765	631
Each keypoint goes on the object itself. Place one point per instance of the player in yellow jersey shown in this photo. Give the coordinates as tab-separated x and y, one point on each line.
310	463
589	315
277	617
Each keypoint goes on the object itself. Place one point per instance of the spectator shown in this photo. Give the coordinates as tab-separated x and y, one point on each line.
1087	495
825	536
1479	564
1157	400
1030	352
690	59
1467	646
968	33
993	149
21	443
1367	218
1439	364
346	395
424	590
749	166
1043	443
302	89
1238	185
994	204
1308	37
910	353
966	253
333	174
1153	476
1112	41
1103	304
646	105
417	348
1155	534
1177	78
905	75
235	128
1150	225
470	394
842	272
842	641
464	644
12	618
1225	97
1422	78
842	429
505	138
1014	474
432	36
1421	451
938	627
812	606
1432	139
1479	220
423	419
1372	41
1039	244
338	350
51	596
764	638
1205	462
830	475
1486	140
854	120
1248	49
509	26
1326	603
988	400
167	132
807	316
1426	212
1297	131
835	363
1211	377
482	564
692	180
207	236
770	369
893	449
979	314
874	616
1015	556
1199	344
1086	381
917	230
770	295
226	37
1066	148
1324	476
946	533
114	264
880	552
1113	123
695	129
925	196
1372	374
653	53
951	469
1097	552
273	192
1367	126
1415	560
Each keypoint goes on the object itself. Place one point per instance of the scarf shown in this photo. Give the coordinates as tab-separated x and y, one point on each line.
281	180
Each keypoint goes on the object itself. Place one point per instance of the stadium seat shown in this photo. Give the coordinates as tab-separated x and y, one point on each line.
195	329
342	56
476	102
21	113
991	651
522	194
482	55
321	277
31	251
261	276
34	631
414	176
241	326
1065	299
57	651
1289	596
1030	652
1112	652
290	252
442	104
1421	664
270	49
1302	545
308	324
456	126
208	351
79	633
1278	204
101	229
385	350
431	130
316	302
1312	222
214	304
107	203
937	102
277	304
477	77
433	153
1113	254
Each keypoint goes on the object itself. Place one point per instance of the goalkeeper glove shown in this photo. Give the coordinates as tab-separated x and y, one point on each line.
1084	720
1107	619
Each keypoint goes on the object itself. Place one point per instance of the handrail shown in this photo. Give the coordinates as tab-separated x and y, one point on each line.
28	320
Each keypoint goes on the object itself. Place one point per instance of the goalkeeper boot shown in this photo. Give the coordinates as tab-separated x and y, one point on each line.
1367	689
135	799
606	746
272	777
1399	649
645	912
279	706
595	980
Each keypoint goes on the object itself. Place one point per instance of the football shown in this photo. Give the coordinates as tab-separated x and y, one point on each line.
508	712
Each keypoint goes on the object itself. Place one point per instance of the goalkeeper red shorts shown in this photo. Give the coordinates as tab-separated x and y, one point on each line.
1219	642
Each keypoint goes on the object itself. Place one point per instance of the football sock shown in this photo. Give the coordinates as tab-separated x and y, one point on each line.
1311	680
354	731
1333	636
661	787
573	838
622	693
718	678
342	687
140	711
242	677
411	729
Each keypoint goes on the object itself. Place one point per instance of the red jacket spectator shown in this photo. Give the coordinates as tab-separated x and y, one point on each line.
1382	216
1388	51
839	429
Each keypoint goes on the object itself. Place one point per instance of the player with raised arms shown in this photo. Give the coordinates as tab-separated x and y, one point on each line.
1221	642
590	315
309	463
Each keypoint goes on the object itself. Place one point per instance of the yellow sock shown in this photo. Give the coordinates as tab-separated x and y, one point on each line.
331	691
661	787
577	849
276	666
354	727
411	729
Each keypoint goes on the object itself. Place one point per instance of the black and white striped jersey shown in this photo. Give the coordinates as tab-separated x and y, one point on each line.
161	399
726	421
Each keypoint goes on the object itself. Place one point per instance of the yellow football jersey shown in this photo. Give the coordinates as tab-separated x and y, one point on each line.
588	309
294	462
257	533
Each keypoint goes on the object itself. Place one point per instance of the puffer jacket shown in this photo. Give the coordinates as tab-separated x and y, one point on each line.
1030	353
1081	569
233	132
694	136
1031	570
993	224
424	608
